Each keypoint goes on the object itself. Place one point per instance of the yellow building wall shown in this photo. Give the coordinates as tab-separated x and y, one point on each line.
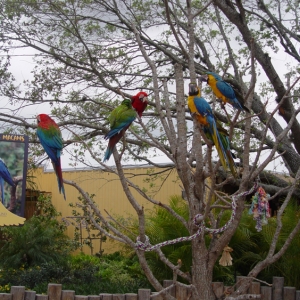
158	183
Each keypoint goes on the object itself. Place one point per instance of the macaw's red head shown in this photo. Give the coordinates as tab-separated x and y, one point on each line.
140	102
44	119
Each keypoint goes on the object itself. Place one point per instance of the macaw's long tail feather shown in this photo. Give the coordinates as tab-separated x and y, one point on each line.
231	163
224	145
112	143
229	156
245	108
218	142
58	171
238	105
2	189
107	154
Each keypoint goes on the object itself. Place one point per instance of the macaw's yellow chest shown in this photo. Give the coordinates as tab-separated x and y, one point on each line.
212	82
194	112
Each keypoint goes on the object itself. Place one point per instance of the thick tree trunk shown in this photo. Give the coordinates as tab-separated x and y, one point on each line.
202	271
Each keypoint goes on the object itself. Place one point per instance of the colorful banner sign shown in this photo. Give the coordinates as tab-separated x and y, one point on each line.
13	155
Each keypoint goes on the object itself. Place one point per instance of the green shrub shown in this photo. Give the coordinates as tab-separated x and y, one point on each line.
41	239
85	274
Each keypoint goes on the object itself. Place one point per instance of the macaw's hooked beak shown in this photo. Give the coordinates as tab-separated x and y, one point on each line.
193	89
143	98
203	78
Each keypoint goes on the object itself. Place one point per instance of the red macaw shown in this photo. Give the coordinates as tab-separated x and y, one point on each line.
201	109
50	137
223	91
139	102
120	119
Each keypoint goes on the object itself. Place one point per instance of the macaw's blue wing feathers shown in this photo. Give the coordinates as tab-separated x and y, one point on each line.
225	89
4	176
118	128
52	143
4	173
50	137
120	119
2	189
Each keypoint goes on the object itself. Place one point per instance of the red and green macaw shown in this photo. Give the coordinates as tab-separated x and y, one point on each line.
139	102
120	119
50	137
4	176
201	109
223	90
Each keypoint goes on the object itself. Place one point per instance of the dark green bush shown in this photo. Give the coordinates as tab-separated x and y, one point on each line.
39	253
86	274
40	240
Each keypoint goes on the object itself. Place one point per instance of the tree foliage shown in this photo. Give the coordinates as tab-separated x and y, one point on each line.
89	52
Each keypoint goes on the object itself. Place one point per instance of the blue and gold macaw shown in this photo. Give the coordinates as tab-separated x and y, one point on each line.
223	91
201	110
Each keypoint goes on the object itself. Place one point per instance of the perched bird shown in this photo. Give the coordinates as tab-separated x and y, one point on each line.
223	90
120	119
201	109
4	176
139	102
50	137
